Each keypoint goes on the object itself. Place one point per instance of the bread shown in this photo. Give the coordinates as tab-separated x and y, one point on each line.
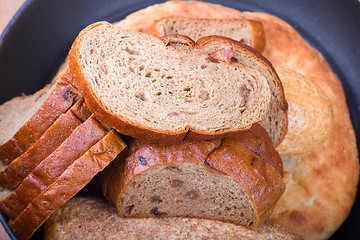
13	174
46	172
318	181
84	218
219	179
311	117
72	180
165	96
246	31
34	115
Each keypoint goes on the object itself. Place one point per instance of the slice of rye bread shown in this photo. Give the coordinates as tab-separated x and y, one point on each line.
14	173
46	172
70	182
249	32
218	179
134	83
24	119
91	218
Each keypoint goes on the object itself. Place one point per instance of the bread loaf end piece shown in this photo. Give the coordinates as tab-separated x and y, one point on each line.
134	83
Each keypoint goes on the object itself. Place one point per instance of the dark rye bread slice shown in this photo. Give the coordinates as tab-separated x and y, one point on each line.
46	172
91	218
70	182
227	50
218	179
24	119
134	83
13	174
249	32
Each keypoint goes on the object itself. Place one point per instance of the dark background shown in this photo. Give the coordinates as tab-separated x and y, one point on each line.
36	42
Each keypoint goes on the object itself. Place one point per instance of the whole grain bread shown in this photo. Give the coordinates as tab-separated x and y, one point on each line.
24	119
311	116
246	31
84	218
316	182
153	92
48	170
218	179
71	181
14	173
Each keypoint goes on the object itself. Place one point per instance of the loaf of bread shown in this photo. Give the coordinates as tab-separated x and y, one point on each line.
311	116
70	182
13	174
155	93
34	115
316	182
219	179
91	218
46	172
246	31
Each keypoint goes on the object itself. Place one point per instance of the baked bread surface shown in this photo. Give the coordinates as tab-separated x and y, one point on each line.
316	181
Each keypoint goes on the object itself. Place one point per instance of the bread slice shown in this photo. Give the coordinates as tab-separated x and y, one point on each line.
46	172
71	181
24	119
13	174
134	83
275	120
311	117
218	179
92	218
249	32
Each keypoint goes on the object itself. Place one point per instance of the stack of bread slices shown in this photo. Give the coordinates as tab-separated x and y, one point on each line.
204	113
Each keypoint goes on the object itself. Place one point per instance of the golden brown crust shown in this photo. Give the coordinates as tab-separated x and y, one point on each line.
59	101
71	181
311	117
46	172
318	181
18	169
230	156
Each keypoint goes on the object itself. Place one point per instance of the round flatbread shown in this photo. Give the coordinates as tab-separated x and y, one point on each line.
321	184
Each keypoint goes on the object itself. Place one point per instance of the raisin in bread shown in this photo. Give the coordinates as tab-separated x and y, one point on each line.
70	182
13	174
246	31
153	92
48	170
218	179
311	116
92	218
24	119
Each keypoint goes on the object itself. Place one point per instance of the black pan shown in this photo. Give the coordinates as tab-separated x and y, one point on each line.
37	39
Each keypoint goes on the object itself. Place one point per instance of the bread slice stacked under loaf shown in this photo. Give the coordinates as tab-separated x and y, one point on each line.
237	179
90	218
134	83
249	32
